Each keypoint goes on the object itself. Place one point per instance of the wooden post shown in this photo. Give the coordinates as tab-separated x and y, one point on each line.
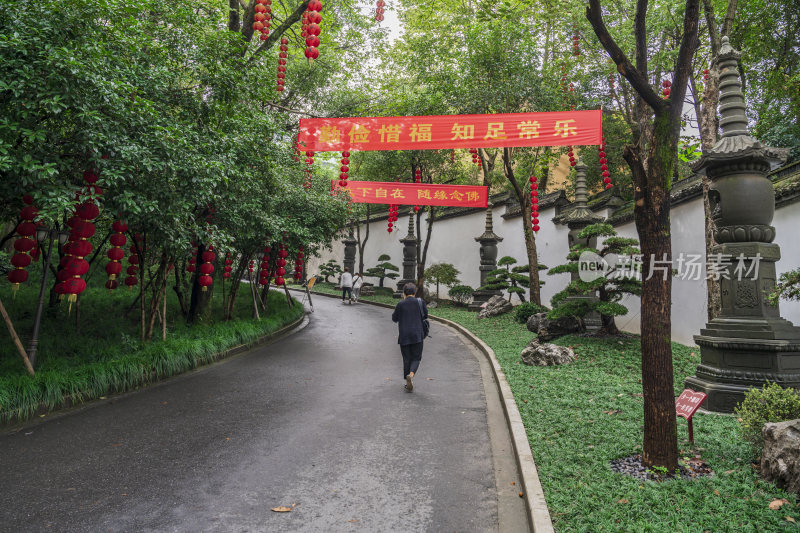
16	340
255	298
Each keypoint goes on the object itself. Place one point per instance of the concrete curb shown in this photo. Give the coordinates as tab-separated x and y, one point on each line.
538	514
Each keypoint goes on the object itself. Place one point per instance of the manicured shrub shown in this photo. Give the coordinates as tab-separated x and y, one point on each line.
461	294
773	403
524	311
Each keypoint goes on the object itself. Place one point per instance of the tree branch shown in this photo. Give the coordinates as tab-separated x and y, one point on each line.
285	25
711	22
640	35
632	74
278	106
727	24
683	65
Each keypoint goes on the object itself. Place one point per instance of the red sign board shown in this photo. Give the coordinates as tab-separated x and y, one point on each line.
381	192
451	131
687	404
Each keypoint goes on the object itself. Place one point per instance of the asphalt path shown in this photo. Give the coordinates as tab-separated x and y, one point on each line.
317	421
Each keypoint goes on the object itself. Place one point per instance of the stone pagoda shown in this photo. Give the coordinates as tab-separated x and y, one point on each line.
576	219
749	343
488	252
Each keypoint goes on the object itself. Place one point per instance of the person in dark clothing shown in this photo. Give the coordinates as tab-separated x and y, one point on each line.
408	314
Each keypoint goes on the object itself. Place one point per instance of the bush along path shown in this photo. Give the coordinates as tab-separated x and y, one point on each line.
107	357
582	416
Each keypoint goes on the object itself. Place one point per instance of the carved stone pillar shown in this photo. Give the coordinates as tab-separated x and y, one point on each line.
410	243
350	251
749	343
488	254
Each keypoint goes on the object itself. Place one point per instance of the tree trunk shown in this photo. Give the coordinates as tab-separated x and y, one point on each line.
362	244
199	308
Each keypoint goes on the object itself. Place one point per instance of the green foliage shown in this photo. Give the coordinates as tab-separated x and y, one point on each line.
609	288
581	416
788	287
461	294
331	268
106	356
509	279
383	270
525	310
443	273
772	403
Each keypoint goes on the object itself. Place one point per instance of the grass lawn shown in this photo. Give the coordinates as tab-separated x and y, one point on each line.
579	417
107	356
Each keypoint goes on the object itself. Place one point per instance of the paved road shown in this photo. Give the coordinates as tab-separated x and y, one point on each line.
318	419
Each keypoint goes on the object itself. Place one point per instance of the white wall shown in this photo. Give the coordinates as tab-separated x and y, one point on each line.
453	241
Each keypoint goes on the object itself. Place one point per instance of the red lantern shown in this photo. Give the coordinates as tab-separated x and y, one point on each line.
130	281
112	284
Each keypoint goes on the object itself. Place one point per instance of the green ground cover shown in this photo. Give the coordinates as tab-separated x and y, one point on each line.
106	356
579	417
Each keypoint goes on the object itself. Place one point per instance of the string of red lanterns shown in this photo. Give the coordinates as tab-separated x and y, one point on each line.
298	264
476	159
192	266
601	152
133	261
666	84
284	50
115	254
78	245
226	271
263	18
281	263
576	41
379	10
312	29
534	204
206	269
392	217
263	273
344	169
25	243
571	154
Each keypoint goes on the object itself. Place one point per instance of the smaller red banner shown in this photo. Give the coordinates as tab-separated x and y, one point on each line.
381	192
688	403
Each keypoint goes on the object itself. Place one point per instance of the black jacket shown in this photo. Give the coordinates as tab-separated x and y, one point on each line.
408	316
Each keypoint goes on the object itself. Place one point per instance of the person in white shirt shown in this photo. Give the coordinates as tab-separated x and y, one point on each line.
358	280
346	282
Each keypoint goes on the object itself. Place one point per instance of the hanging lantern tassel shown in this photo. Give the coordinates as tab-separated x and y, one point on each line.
601	152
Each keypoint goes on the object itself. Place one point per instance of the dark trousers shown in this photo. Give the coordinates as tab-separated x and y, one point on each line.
412	355
347	291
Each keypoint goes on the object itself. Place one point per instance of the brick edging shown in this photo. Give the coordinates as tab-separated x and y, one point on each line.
535	503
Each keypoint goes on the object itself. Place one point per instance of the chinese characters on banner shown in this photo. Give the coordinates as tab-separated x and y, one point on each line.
381	192
451	131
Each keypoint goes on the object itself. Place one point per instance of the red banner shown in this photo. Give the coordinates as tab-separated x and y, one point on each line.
382	192
565	128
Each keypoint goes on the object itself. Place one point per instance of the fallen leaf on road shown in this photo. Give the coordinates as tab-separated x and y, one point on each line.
353	521
777	504
429	379
513	482
521	494
164	403
282	509
623	500
790	519
716	492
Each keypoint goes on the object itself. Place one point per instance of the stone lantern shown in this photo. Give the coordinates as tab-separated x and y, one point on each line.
749	343
350	251
488	253
577	219
410	243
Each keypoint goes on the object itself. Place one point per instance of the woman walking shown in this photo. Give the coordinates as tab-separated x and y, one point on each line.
409	314
358	280
346	282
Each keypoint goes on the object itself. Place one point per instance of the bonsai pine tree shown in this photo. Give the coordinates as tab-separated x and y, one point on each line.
514	280
331	268
788	287
443	273
611	286
382	270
